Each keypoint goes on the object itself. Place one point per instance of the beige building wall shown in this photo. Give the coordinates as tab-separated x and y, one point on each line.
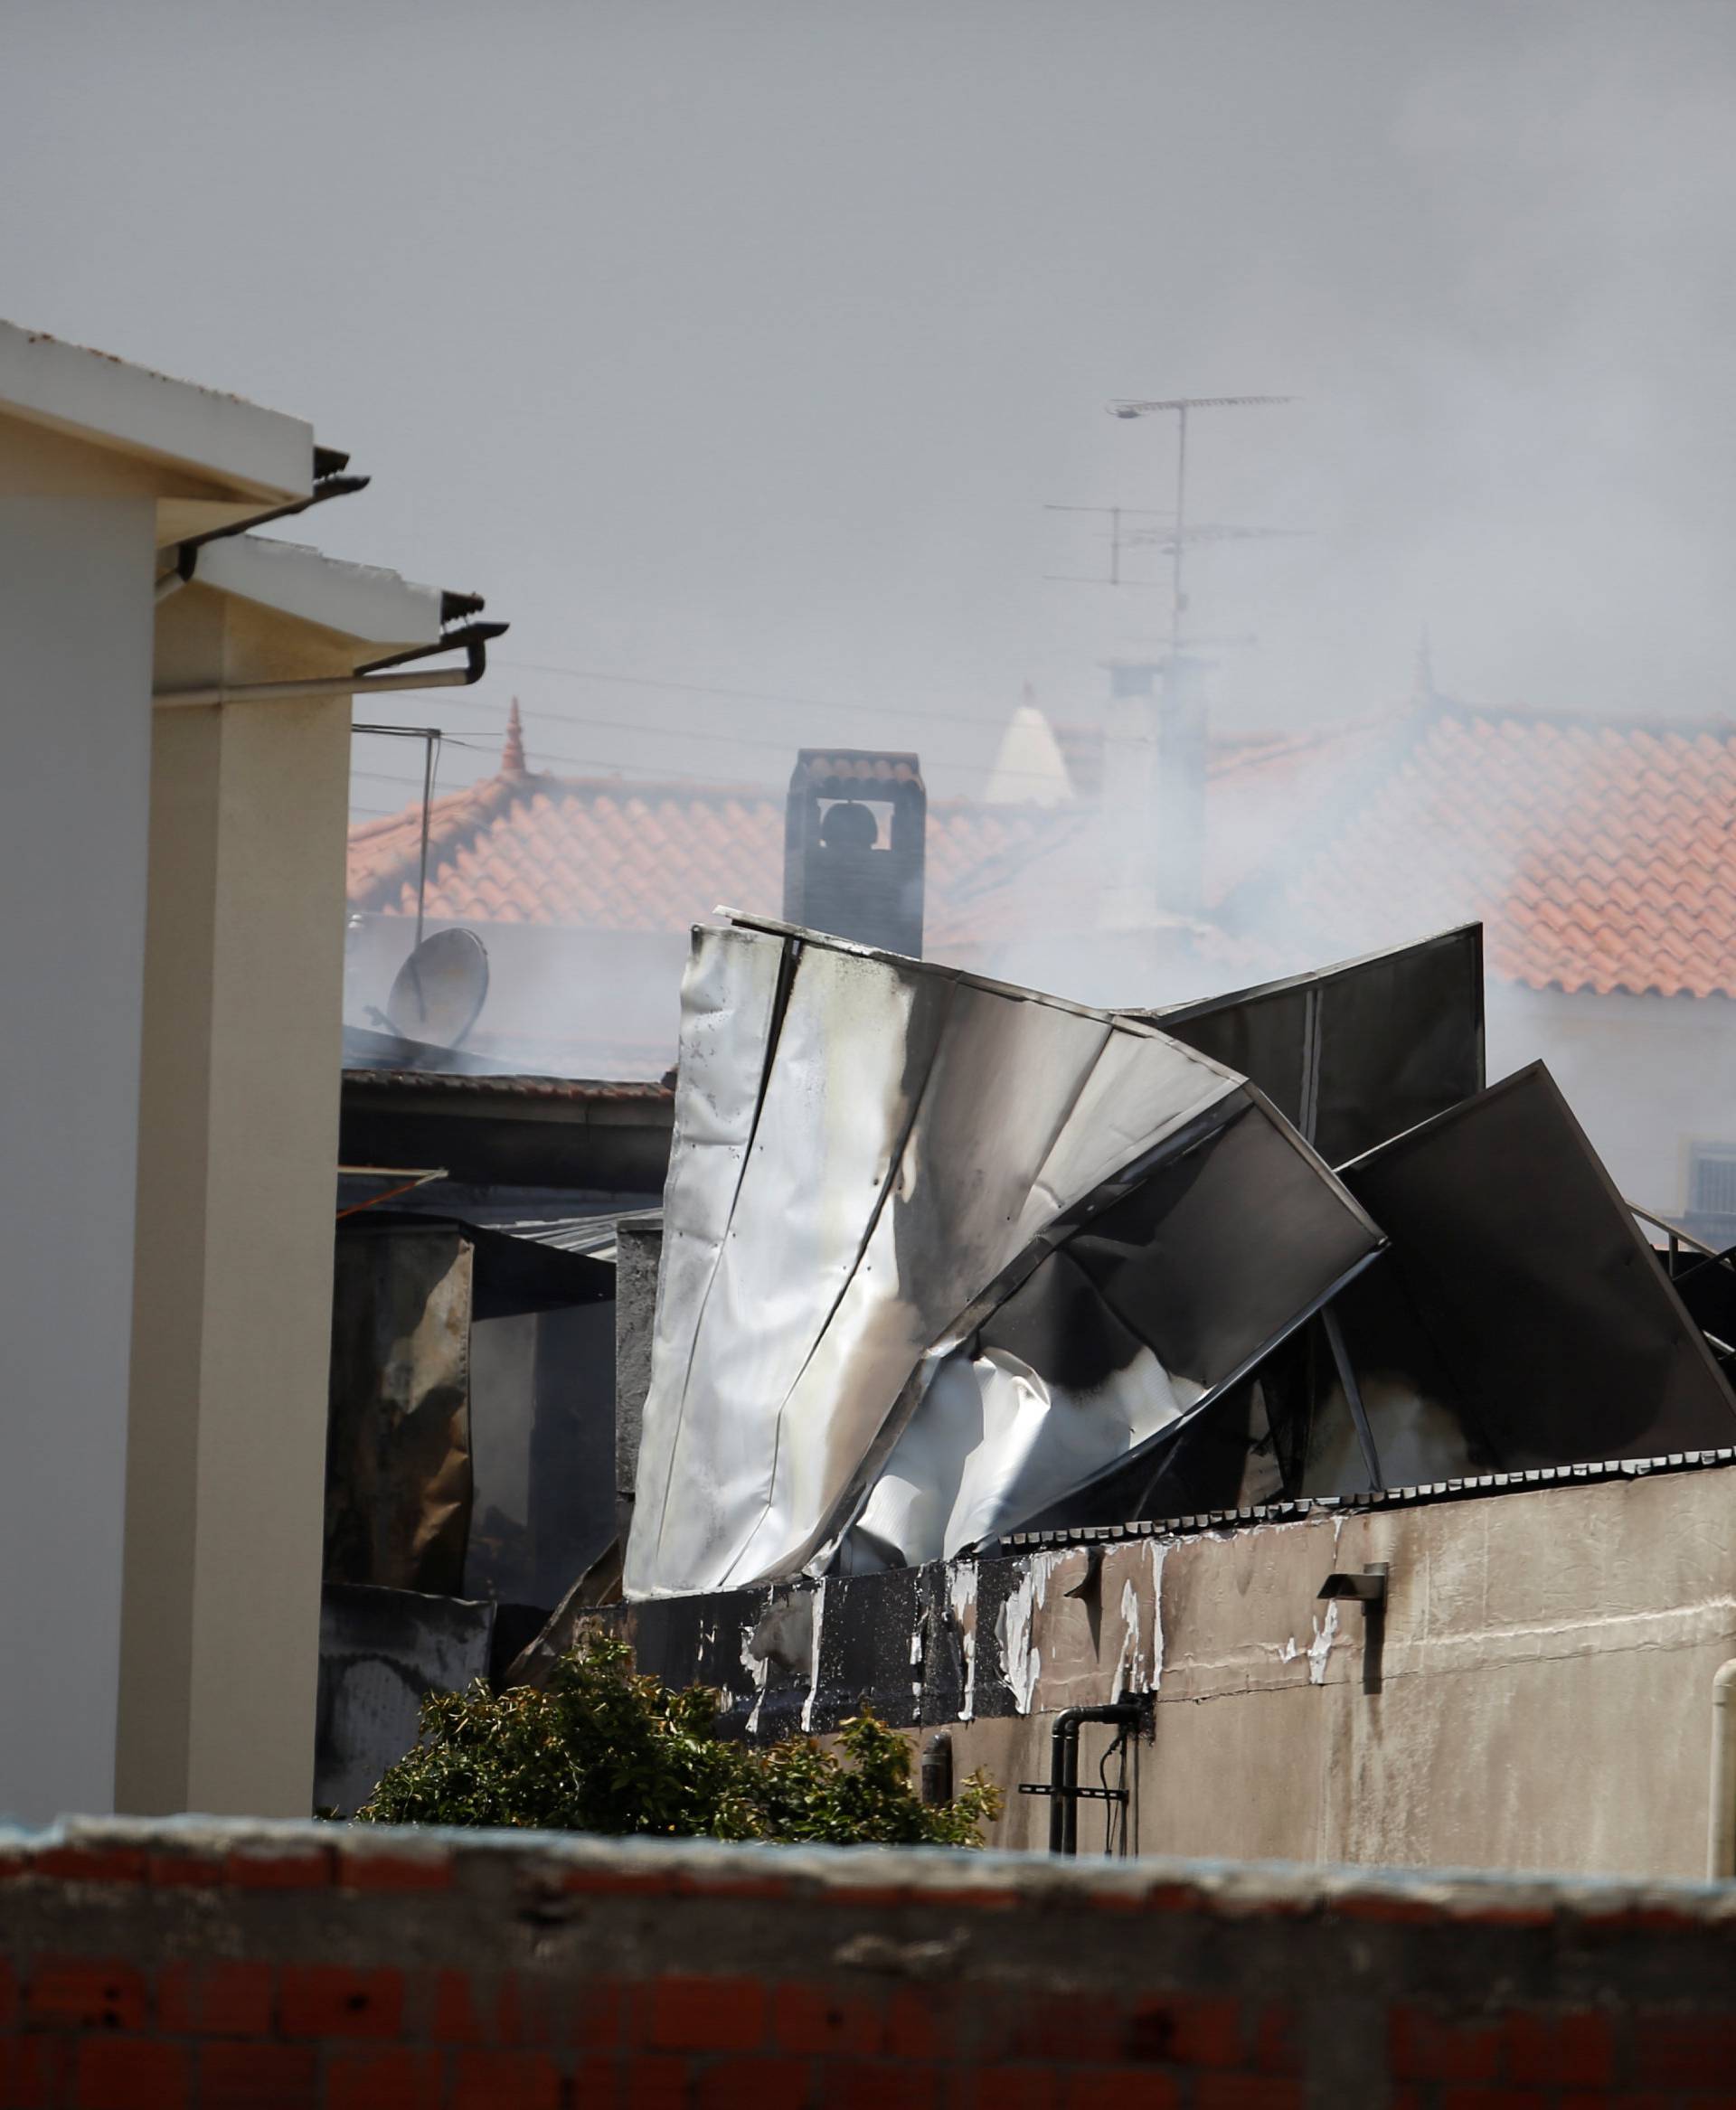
1546	1698
100	464
239	1112
75	610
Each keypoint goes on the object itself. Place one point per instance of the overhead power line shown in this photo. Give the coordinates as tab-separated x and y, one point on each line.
915	710
778	747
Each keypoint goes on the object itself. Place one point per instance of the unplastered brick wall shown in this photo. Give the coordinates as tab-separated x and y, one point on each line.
146	1965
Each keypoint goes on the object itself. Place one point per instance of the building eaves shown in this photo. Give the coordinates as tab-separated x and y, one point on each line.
247	451
363	601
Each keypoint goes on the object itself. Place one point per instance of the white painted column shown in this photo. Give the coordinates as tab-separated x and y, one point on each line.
232	1322
75	631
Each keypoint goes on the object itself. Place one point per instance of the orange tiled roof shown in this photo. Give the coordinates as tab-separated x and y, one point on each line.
1599	856
604	854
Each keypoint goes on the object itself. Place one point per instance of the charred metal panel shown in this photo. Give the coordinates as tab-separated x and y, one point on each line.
1521	1308
868	1651
946	1609
1163	1292
381	1654
1240	1451
1423	1423
864	1144
1003	1596
437	1323
1707	1287
778	1653
398	1443
949	1641
698	1641
542	1431
1359	1052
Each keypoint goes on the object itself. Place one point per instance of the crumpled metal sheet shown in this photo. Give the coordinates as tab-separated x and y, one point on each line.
1155	1299
1517	1320
1520	1318
1355	1053
871	1156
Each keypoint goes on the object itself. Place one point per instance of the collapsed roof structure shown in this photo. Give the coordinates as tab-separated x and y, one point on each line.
947	1260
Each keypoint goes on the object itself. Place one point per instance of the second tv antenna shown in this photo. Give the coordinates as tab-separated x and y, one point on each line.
1175	538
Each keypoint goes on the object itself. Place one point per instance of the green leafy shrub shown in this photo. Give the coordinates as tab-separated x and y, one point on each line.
603	1749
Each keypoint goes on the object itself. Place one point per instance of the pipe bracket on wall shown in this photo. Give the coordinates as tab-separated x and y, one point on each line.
1368	1590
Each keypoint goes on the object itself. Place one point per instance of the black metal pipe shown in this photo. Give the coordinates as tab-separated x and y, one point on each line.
1065	1725
1063	1767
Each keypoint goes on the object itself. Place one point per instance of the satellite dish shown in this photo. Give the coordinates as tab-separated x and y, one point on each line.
440	989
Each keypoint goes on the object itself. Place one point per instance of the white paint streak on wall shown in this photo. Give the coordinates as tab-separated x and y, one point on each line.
814	1660
1325	1632
1141	1666
1130	1669
1021	1657
759	1668
963	1601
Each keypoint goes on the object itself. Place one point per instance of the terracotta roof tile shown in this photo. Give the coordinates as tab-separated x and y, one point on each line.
1599	856
598	855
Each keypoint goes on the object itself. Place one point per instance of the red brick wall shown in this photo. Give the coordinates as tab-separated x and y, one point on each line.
144	1966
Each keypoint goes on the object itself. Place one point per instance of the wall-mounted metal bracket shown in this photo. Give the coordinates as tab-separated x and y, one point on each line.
1083	1795
1131	1716
1368	1590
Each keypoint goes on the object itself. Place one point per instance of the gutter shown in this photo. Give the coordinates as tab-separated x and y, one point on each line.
473	637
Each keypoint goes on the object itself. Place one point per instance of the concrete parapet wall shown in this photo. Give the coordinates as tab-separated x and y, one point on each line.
1544	1696
147	1965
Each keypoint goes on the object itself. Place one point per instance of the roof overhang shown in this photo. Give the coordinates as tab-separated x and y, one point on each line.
216	458
362	602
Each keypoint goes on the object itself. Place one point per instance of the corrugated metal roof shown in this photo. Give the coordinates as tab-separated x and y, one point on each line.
577	1091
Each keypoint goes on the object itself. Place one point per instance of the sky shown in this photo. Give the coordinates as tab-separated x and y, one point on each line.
734	351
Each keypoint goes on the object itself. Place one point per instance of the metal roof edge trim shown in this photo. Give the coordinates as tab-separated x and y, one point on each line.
1298	1507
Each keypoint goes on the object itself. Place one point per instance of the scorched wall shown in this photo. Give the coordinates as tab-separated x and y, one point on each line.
1545	1676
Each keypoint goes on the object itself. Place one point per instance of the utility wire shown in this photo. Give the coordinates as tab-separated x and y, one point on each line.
580	674
543	754
734	740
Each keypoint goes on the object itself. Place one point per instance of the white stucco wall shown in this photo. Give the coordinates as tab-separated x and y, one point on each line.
75	618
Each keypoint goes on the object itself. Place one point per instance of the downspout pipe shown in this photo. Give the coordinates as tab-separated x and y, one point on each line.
1721	1820
473	637
1063	1767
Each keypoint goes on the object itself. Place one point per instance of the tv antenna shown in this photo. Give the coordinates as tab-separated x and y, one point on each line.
1177	537
1166	539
